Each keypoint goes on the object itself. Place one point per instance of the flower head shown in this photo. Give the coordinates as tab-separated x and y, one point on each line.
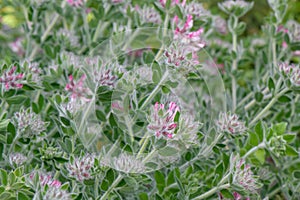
11	79
57	194
76	3
105	77
128	164
230	123
45	179
149	15
162	121
236	7
81	168
196	9
243	177
78	91
17	158
28	120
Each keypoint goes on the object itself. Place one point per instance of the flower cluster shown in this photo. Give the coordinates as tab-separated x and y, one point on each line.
187	132
105	77
220	25
128	164
291	71
149	15
243	177
162	121
278	145
78	91
230	123
11	79
28	120
17	159
76	3
196	9
81	168
185	42
53	189
57	194
45	179
238	7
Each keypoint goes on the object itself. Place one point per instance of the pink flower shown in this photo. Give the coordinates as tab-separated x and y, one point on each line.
11	80
77	90
46	179
230	123
162	121
75	3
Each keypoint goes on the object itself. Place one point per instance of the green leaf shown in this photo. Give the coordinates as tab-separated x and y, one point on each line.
227	194
143	196
3	124
178	181
167	151
296	174
5	196
160	181
3	176
290	151
22	196
19	99
253	139
100	115
260	155
280	128
271	84
260	130
284	99
259	96
289	137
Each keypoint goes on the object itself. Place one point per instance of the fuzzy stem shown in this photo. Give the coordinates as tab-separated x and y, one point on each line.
260	146
271	103
142	149
234	65
212	191
166	22
113	185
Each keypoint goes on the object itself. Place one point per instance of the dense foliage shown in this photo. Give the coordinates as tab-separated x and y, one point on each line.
120	99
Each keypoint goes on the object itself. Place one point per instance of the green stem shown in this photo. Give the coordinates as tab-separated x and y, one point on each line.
260	146
150	155
274	54
165	28
234	65
156	89
113	185
212	191
142	149
271	103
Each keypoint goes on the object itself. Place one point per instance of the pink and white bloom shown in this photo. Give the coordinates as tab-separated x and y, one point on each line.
162	121
76	3
78	91
230	123
81	168
244	177
11	79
